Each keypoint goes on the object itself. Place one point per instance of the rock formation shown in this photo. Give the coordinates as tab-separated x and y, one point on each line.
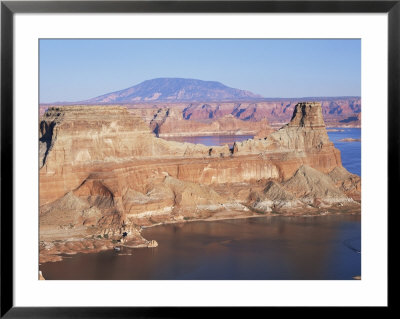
337	112
171	123
303	141
347	182
103	172
274	197
209	99
349	139
78	142
237	117
306	190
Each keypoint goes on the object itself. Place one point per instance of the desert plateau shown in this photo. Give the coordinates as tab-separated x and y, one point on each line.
199	159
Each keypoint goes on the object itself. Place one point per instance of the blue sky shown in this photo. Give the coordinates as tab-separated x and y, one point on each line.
73	70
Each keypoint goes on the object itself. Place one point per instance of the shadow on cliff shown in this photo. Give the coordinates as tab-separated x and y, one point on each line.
46	130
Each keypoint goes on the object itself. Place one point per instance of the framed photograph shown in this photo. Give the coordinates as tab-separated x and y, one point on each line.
160	155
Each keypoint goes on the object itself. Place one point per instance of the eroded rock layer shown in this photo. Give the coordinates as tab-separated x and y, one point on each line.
104	173
171	123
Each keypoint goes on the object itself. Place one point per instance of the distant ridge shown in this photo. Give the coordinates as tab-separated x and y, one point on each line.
175	90
260	99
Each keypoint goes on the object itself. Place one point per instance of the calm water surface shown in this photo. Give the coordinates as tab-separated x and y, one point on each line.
325	247
350	151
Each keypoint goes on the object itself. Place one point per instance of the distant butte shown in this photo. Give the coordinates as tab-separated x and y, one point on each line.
103	173
175	89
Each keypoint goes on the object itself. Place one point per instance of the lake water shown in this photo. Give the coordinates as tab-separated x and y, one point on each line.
350	151
270	248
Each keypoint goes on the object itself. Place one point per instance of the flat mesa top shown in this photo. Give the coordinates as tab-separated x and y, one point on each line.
87	108
310	103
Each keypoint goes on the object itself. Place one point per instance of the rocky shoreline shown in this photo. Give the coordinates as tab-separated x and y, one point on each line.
53	252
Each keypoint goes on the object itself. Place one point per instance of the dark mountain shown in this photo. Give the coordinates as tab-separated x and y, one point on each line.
175	89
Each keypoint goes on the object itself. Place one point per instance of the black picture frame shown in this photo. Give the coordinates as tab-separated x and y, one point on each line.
9	8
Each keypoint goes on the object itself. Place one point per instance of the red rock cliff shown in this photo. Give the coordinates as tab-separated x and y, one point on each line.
104	173
303	140
109	145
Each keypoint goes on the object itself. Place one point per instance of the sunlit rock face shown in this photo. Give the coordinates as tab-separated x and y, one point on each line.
337	112
306	130
171	123
303	140
104	171
78	140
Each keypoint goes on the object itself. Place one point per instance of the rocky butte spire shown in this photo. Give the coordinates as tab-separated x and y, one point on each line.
305	131
303	140
307	114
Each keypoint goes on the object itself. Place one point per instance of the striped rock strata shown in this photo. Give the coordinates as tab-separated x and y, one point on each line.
102	171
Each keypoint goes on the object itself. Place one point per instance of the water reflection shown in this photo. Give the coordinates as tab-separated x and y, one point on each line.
258	248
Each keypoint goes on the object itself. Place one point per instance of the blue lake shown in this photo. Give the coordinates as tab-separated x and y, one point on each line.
264	248
350	151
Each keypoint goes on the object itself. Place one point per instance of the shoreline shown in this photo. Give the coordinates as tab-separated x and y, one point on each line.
149	243
246	217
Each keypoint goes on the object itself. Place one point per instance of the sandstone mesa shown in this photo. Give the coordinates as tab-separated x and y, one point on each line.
103	173
172	119
237	118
